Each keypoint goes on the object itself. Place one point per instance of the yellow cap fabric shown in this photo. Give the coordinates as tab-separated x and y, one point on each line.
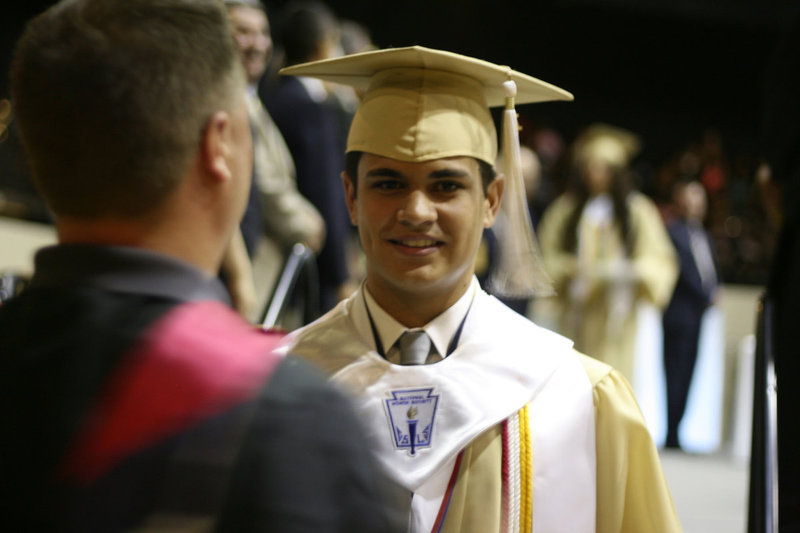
421	104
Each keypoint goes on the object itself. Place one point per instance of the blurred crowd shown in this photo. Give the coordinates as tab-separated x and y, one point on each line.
608	235
636	249
741	218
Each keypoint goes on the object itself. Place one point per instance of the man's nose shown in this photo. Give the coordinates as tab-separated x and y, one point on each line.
418	209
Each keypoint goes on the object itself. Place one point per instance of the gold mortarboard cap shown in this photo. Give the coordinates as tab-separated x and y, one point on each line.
420	104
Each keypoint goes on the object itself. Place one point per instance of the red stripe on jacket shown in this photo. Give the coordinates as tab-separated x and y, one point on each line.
198	360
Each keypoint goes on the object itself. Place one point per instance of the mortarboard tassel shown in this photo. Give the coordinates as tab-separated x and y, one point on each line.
521	271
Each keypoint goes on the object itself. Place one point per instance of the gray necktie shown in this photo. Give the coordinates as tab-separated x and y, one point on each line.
414	347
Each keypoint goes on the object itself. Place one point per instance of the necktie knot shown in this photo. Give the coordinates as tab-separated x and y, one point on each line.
414	347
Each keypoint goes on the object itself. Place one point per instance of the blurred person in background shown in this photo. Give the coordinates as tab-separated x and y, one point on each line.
695	290
275	210
133	397
548	145
310	121
606	249
355	37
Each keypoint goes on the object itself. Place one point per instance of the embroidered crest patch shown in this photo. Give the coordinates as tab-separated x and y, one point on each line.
411	414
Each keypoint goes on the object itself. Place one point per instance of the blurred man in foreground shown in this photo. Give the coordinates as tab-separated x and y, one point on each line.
133	396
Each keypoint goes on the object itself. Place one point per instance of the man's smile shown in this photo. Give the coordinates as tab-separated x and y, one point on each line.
417	242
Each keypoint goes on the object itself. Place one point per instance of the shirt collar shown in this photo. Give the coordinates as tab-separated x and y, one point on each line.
315	88
441	329
124	269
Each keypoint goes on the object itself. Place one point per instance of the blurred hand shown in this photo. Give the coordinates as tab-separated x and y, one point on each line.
579	289
615	271
243	294
316	238
239	276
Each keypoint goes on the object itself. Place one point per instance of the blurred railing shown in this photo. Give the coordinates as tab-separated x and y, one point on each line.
763	499
294	301
11	284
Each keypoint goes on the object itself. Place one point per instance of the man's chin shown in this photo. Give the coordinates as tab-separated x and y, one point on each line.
424	281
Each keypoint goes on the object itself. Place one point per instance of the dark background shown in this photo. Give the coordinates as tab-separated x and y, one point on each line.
666	69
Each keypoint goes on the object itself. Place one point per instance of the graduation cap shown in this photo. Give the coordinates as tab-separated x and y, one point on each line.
420	104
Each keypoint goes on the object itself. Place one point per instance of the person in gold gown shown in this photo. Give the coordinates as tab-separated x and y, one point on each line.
607	251
488	421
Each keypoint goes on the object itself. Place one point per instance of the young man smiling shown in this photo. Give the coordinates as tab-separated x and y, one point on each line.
489	421
419	225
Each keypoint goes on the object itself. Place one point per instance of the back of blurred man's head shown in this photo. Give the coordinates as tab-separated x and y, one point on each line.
112	98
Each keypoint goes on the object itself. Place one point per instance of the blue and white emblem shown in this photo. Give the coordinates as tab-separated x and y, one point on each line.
411	415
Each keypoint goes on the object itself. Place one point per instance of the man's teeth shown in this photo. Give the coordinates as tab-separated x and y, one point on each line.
419	243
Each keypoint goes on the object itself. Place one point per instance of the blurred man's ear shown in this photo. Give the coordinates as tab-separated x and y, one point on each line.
216	146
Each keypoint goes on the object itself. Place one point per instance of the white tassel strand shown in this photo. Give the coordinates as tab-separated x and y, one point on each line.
521	272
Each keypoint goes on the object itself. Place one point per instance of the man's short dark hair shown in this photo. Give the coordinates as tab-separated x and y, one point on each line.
352	159
112	98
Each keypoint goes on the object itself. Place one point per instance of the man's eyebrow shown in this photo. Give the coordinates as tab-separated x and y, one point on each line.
384	172
449	173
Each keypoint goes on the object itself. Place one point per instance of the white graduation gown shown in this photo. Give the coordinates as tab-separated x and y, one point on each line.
502	362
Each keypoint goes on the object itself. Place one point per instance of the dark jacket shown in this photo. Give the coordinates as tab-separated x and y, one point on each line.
313	133
690	297
120	369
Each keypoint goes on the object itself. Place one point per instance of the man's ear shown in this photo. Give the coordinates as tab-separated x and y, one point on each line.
350	197
216	146
494	196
